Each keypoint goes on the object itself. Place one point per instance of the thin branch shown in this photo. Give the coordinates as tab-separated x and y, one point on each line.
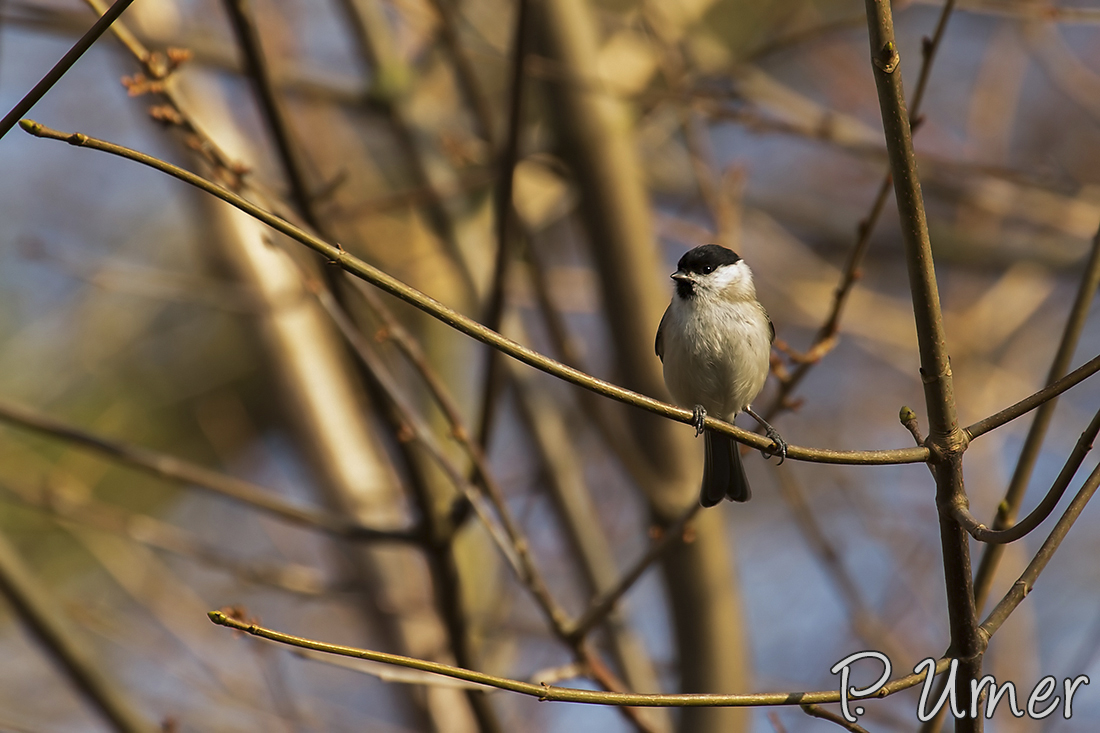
176	469
546	692
392	80
42	616
83	512
341	258
1029	403
1026	581
464	70
158	73
410	349
602	604
62	67
826	337
1029	453
515	546
609	426
440	524
392	330
506	228
823	714
610	682
1013	532
241	17
513	543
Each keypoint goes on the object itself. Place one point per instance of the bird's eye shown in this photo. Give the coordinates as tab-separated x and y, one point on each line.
707	269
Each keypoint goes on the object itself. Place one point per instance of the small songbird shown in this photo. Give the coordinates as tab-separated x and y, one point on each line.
715	344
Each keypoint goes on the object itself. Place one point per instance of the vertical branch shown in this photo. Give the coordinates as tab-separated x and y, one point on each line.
367	19
505	225
255	65
464	70
946	440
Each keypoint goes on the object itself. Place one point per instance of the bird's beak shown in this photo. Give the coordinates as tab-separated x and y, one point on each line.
681	275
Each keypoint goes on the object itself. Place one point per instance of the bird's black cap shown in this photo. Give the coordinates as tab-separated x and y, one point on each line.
707	258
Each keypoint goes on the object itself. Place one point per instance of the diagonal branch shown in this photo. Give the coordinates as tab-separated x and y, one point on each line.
1029	453
545	692
825	338
1026	581
338	256
177	469
62	66
506	225
1011	533
242	19
602	604
1029	403
42	615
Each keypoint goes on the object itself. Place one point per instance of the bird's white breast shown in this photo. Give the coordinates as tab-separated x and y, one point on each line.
716	353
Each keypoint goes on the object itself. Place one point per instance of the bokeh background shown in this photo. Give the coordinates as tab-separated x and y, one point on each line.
147	313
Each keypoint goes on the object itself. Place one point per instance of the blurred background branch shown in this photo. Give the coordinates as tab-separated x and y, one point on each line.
538	175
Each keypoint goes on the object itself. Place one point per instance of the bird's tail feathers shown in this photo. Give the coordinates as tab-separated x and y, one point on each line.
723	473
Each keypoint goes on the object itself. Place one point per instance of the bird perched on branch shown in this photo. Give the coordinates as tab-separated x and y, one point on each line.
715	344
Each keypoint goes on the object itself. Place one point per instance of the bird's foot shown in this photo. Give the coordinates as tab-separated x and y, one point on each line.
698	414
779	446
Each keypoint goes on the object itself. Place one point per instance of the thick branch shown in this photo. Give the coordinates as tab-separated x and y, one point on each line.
946	440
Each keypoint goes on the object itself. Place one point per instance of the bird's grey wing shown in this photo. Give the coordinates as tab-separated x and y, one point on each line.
659	342
771	326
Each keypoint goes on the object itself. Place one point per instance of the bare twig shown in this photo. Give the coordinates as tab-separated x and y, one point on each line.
513	543
241	17
1026	581
1029	453
83	512
546	692
602	604
506	228
464	69
1029	403
159	72
62	67
825	339
41	615
1012	532
390	92
340	257
819	712
175	469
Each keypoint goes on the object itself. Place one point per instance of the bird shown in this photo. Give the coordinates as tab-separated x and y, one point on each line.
714	343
